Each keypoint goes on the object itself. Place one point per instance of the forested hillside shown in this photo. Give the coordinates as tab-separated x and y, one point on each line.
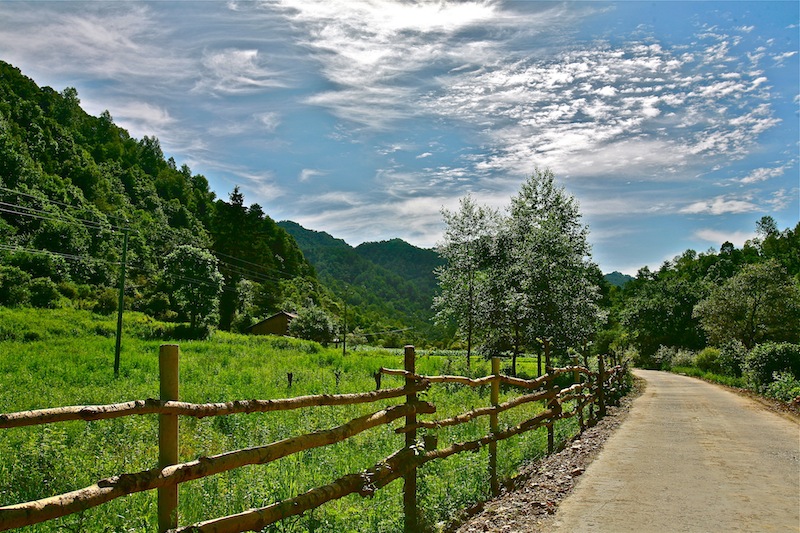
72	184
390	279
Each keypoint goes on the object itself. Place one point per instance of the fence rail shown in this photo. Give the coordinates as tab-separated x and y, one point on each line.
592	390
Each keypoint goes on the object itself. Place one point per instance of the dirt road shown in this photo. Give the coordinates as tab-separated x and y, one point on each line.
690	457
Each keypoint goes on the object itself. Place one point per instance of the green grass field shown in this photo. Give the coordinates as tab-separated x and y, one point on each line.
52	358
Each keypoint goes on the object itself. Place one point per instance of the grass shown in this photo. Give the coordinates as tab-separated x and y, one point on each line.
693	371
65	357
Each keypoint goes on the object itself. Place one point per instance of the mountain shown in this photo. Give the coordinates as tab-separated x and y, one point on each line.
618	278
390	279
416	265
71	184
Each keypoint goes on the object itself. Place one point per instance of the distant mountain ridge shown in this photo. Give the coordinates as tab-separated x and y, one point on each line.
390	278
618	278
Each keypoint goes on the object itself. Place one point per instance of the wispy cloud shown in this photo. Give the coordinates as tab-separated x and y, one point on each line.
308	173
721	205
737	238
236	71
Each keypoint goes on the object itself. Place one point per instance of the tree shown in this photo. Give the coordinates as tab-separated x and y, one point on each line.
464	248
550	261
195	282
312	323
761	303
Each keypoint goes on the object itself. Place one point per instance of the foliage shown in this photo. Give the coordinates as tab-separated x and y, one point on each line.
195	283
14	289
517	279
732	356
761	303
708	360
44	293
785	387
72	182
465	249
766	359
312	323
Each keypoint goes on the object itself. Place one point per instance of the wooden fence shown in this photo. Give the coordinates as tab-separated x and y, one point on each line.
592	389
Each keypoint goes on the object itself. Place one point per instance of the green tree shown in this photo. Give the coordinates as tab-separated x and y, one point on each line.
550	261
465	246
761	303
195	283
312	323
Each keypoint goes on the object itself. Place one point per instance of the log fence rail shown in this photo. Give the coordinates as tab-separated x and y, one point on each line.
593	389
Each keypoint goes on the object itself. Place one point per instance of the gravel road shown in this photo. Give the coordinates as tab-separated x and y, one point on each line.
691	456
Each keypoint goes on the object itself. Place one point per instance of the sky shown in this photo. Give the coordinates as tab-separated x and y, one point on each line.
676	125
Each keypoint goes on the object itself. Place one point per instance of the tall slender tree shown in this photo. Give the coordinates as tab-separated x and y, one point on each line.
465	247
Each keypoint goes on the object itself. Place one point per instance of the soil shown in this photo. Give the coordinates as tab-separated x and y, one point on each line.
528	502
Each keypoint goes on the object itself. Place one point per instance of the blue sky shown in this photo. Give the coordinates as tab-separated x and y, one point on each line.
674	124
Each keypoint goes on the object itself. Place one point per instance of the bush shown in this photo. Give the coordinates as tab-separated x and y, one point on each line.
731	358
784	387
766	359
44	293
708	361
14	286
106	302
684	358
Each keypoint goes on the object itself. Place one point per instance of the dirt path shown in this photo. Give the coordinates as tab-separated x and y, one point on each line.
691	456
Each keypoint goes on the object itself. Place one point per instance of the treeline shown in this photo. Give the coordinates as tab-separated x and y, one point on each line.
733	313
71	186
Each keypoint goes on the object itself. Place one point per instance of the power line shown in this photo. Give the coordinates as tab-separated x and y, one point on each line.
14	191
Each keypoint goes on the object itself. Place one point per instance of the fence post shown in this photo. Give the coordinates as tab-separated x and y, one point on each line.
168	436
601	393
551	445
410	479
493	427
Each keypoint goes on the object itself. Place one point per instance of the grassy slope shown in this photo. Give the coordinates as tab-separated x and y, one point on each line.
67	359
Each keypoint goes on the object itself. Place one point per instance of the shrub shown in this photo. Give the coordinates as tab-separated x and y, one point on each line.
731	358
106	302
683	358
662	359
766	359
44	293
708	360
14	286
784	387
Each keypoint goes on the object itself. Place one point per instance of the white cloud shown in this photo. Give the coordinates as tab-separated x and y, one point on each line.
142	118
424	155
720	205
717	237
236	71
308	173
269	120
762	174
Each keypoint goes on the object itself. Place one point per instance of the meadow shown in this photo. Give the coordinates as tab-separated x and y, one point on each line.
51	358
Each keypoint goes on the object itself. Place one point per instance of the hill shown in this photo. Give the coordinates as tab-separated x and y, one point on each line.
71	184
392	279
618	279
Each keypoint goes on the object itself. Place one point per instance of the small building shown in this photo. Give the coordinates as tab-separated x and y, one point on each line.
277	324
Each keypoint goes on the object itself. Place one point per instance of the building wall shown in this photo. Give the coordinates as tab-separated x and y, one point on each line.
275	325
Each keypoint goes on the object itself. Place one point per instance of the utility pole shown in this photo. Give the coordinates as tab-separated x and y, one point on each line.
121	301
344	333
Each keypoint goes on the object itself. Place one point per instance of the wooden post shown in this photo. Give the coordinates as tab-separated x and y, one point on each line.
493	427
601	393
551	445
168	436
410	479
377	375
547	367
